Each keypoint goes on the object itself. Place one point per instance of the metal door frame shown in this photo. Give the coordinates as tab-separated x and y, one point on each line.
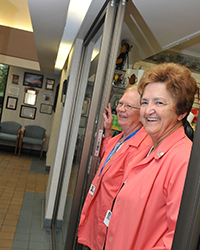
72	225
105	70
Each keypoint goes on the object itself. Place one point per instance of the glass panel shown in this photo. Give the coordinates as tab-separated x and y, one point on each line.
61	234
87	159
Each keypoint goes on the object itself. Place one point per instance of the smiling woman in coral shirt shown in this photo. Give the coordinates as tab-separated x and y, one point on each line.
146	208
116	153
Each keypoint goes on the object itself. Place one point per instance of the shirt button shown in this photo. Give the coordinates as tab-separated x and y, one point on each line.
160	154
118	201
110	238
136	171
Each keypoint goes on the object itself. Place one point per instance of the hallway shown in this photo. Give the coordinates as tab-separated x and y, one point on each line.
23	182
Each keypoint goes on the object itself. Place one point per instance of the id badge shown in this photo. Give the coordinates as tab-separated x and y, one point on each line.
107	218
92	189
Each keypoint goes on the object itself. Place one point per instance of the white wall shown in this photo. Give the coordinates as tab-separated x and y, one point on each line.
53	143
72	70
17	90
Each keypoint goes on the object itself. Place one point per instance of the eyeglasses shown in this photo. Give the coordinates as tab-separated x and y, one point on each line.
126	106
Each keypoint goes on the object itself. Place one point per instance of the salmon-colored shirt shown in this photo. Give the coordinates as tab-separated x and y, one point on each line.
92	230
146	209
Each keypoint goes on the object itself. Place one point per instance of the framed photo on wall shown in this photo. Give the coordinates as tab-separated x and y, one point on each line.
28	112
33	80
50	84
85	107
11	102
15	79
47	97
46	108
30	96
13	91
83	122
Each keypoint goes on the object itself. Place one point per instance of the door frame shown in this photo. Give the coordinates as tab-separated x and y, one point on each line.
109	47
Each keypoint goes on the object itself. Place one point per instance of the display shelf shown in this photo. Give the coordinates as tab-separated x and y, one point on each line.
118	87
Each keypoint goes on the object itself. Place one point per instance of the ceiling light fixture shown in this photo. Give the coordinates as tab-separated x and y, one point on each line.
16	15
76	13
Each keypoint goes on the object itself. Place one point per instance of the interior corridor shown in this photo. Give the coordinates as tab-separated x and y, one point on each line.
23	182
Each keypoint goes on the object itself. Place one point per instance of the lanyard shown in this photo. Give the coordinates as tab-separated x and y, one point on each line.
114	150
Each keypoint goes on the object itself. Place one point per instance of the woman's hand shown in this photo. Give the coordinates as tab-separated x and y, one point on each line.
107	121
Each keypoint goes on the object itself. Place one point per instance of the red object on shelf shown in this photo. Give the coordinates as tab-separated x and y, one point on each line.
195	112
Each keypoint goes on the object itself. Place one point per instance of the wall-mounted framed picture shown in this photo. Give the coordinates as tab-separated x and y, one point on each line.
13	91
33	80
47	97
28	112
85	107
30	96
15	79
83	122
50	84
46	108
11	102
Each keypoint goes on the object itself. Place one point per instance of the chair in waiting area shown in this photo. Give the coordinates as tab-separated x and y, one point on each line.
33	134
10	131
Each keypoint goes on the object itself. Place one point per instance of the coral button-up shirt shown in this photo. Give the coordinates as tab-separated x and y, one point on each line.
92	230
145	212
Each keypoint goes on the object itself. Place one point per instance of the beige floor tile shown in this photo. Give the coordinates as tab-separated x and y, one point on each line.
10	223
5	243
4	205
12	217
2	216
4	201
3	210
7	194
19	203
1	222
15	180
11	229
18	195
14	211
29	190
7	235
3	182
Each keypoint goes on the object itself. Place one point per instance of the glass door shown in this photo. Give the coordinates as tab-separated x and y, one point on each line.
64	228
89	91
97	94
101	70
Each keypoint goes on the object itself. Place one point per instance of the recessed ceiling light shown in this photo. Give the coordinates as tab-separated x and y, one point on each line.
76	13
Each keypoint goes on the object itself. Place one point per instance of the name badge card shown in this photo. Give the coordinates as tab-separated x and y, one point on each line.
107	218
92	189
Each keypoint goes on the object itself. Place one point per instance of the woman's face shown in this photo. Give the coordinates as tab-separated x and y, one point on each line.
128	118
158	112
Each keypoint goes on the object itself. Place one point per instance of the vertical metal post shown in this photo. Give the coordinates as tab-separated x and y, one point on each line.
103	57
109	76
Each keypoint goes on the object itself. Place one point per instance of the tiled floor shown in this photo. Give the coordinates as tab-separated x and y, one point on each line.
23	182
